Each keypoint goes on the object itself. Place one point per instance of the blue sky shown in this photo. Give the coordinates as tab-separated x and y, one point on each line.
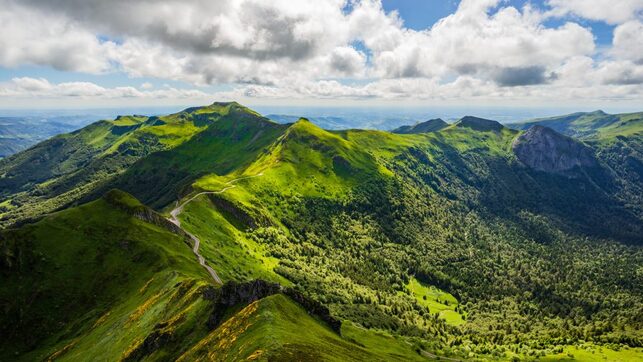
422	14
319	52
416	14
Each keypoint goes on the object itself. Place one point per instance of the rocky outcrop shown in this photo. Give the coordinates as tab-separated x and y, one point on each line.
544	149
127	203
241	294
431	125
153	342
237	214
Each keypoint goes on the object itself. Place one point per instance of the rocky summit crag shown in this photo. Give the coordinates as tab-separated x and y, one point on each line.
544	149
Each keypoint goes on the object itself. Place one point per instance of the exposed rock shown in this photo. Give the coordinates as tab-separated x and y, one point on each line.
237	214
241	294
544	149
132	206
313	307
479	124
154	341
431	125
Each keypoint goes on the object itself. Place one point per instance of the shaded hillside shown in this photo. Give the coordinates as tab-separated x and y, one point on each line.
479	124
69	167
75	270
595	124
431	125
544	149
453	240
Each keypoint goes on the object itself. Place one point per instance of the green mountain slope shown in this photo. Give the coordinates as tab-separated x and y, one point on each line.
112	280
230	143
616	138
431	125
76	271
277	329
69	167
450	240
597	124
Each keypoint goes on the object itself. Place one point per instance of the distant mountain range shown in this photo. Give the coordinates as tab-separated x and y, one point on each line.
19	133
463	240
588	124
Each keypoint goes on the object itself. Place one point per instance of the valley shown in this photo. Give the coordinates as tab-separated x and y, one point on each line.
215	233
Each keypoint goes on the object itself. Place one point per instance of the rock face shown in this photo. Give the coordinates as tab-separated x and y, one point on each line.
431	125
479	124
544	149
126	202
241	294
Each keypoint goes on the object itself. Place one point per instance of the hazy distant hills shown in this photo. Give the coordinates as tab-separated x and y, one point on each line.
462	240
18	133
589	124
431	125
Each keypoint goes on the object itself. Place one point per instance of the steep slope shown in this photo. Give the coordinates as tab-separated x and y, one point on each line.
113	280
588	124
103	263
431	125
277	329
69	167
544	149
444	239
229	144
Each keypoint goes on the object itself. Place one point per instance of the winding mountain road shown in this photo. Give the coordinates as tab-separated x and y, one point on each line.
174	219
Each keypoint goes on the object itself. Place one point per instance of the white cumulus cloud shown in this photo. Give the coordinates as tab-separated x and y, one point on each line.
323	49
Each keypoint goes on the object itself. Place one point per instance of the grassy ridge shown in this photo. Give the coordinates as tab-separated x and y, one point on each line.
84	164
536	262
230	143
277	329
80	266
589	125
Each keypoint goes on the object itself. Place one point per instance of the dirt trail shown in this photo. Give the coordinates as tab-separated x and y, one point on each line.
174	219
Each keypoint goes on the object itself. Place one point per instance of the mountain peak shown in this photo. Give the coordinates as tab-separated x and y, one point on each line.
544	149
479	124
215	107
226	104
431	125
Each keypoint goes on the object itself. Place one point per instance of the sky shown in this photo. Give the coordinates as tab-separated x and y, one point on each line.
358	53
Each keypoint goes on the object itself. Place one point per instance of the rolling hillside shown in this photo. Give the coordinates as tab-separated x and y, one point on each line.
468	240
19	133
597	124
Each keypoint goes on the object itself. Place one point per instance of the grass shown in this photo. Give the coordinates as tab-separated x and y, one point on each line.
168	304
380	343
225	246
438	301
112	280
591	125
95	157
590	353
226	146
75	266
277	329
